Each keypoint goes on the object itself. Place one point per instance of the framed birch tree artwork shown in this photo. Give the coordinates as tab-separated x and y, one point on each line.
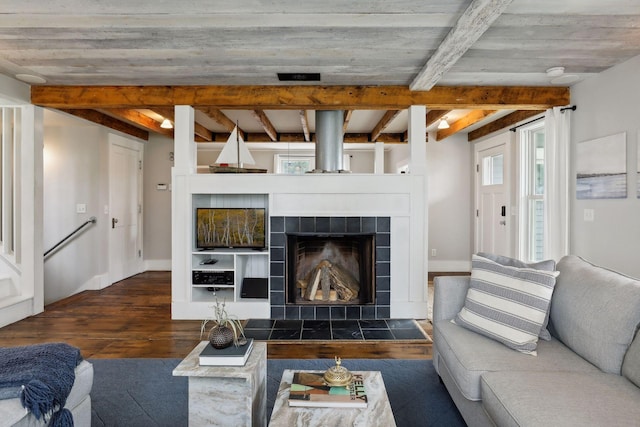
601	168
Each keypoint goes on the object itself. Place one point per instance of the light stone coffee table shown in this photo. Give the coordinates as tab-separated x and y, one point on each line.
227	395
376	414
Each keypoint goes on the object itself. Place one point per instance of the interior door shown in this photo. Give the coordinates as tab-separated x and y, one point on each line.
492	201
125	255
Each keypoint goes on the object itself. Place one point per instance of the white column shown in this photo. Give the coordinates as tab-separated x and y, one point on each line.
418	291
185	160
418	139
184	147
378	166
30	247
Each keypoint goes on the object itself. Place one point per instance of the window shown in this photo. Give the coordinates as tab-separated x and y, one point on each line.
532	192
293	165
492	170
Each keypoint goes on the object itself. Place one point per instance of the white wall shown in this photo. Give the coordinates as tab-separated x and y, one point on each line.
74	173
608	104
449	166
157	203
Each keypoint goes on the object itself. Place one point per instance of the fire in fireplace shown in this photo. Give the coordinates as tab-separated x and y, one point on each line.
330	269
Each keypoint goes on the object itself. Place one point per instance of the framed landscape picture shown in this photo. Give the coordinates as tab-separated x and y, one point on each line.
601	168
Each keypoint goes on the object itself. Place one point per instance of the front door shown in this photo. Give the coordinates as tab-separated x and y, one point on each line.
125	249
492	200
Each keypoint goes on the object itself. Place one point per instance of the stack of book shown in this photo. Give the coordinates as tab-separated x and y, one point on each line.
309	389
230	356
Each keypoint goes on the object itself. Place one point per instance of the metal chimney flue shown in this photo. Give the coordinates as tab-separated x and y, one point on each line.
329	141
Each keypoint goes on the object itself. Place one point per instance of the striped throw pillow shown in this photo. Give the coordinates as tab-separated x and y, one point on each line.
506	303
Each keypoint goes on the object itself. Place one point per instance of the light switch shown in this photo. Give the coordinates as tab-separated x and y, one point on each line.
589	215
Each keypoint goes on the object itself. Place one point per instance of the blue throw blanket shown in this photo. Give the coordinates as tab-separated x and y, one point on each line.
41	376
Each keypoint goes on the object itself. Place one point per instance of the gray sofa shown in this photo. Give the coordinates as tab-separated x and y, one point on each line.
588	374
79	403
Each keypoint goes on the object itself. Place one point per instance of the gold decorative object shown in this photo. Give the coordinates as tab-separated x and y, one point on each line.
338	375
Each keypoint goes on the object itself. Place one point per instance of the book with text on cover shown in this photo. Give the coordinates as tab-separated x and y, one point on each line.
230	356
309	389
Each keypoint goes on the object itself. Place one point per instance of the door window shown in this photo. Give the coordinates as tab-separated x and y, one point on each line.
493	170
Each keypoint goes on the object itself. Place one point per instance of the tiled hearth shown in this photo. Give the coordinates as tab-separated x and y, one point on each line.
359	330
379	309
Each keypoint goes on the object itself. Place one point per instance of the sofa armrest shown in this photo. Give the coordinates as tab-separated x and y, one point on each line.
449	296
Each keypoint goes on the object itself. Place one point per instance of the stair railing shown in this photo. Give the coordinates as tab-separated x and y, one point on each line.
91	220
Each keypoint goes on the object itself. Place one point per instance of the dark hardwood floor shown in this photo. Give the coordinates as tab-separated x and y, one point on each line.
132	319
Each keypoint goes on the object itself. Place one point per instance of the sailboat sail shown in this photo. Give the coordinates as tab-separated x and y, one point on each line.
235	144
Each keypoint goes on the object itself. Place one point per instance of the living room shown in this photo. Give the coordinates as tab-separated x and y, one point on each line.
609	235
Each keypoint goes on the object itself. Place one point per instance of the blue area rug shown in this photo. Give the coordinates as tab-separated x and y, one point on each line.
143	392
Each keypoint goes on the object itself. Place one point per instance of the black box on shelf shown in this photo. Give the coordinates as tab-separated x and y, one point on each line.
255	287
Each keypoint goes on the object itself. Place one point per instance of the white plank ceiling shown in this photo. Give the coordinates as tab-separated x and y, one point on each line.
414	43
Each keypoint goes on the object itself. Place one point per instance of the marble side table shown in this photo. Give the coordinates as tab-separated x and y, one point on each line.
376	414
227	395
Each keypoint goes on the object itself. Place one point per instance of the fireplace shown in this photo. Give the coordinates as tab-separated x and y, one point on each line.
330	269
364	241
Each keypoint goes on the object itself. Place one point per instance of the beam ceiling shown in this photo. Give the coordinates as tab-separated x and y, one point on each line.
301	97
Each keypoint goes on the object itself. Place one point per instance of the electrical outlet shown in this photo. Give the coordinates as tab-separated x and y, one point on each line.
434	252
81	208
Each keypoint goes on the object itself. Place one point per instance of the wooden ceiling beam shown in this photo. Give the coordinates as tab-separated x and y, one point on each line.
463	123
382	124
202	133
222	119
347	118
108	121
304	121
435	115
302	97
262	118
472	24
137	118
352	138
501	123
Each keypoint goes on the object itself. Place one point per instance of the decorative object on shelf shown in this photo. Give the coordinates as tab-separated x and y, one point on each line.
338	375
235	151
226	330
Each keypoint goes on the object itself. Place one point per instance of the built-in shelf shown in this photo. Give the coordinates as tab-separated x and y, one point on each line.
224	277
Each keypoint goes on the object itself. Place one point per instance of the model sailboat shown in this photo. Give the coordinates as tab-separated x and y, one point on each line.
235	151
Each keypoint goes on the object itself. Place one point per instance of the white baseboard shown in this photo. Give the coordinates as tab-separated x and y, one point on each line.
15	309
157	265
449	266
97	282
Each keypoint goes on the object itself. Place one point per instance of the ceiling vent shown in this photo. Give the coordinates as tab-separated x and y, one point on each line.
299	77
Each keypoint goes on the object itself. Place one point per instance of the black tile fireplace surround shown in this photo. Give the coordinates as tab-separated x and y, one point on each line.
381	306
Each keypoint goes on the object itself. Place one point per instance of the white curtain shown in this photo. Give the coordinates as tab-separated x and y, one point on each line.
556	183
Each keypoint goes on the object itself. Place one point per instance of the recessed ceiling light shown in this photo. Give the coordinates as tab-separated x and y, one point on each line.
31	78
555	71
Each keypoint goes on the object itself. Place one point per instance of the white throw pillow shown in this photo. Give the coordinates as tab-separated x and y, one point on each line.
506	303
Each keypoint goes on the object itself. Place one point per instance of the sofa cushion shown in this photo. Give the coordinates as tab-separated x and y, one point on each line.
631	363
468	356
560	399
595	312
508	304
546	265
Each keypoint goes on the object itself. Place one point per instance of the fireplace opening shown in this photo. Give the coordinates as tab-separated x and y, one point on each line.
330	269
